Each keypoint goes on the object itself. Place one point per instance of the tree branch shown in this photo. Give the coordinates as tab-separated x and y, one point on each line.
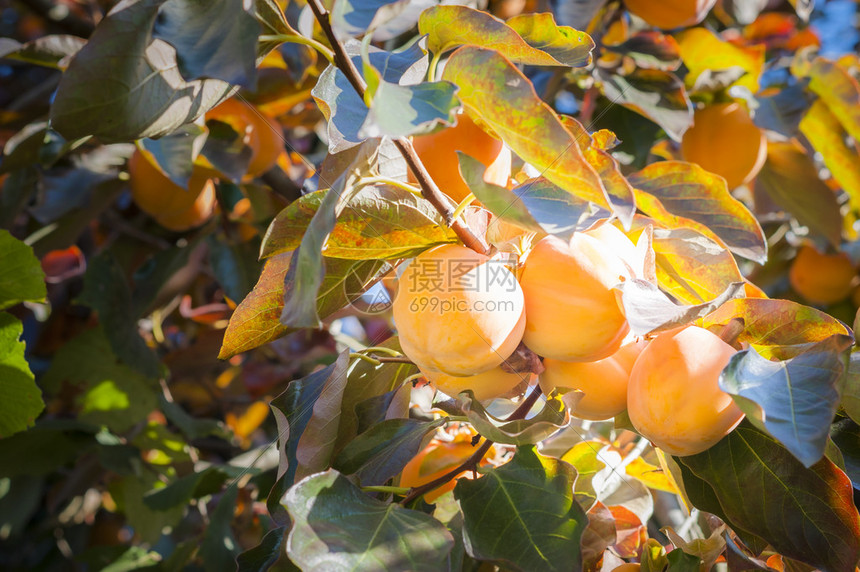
472	462
429	189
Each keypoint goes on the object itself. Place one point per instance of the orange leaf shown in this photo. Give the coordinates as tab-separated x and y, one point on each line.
827	136
504	99
682	194
702	50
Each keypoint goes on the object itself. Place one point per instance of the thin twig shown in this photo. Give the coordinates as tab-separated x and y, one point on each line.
472	462
429	189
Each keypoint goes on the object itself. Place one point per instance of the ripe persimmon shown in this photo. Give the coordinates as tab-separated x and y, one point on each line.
486	385
259	132
169	204
821	278
457	311
724	140
671	14
438	152
674	398
572	311
604	382
629	567
437	459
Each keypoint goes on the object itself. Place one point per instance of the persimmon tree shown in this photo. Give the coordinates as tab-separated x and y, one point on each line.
411	286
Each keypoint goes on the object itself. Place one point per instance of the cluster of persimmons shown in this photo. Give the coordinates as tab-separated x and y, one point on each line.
461	315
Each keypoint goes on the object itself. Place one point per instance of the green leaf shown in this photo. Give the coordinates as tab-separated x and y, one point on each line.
175	153
649	310
495	91
22	278
344	110
804	513
293	411
219	546
381	222
108	392
358	17
122	86
307	267
382	451
658	95
50	51
851	391
20	398
107	292
790	179
683	194
523	514
552	417
365	382
315	447
181	491
215	39
147	523
529	39
336	526
846	436
403	110
45	447
256	320
261	557
796	399
235	266
823	129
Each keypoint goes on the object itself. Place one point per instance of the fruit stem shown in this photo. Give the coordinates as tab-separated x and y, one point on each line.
368	359
384	489
434	63
388	181
462	206
472	462
383	350
297	39
732	331
429	189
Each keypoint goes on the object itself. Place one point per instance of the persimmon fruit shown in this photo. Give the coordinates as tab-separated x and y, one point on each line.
572	311
671	14
674	398
457	311
821	278
258	131
487	385
438	152
169	204
604	382
437	459
724	140
629	567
